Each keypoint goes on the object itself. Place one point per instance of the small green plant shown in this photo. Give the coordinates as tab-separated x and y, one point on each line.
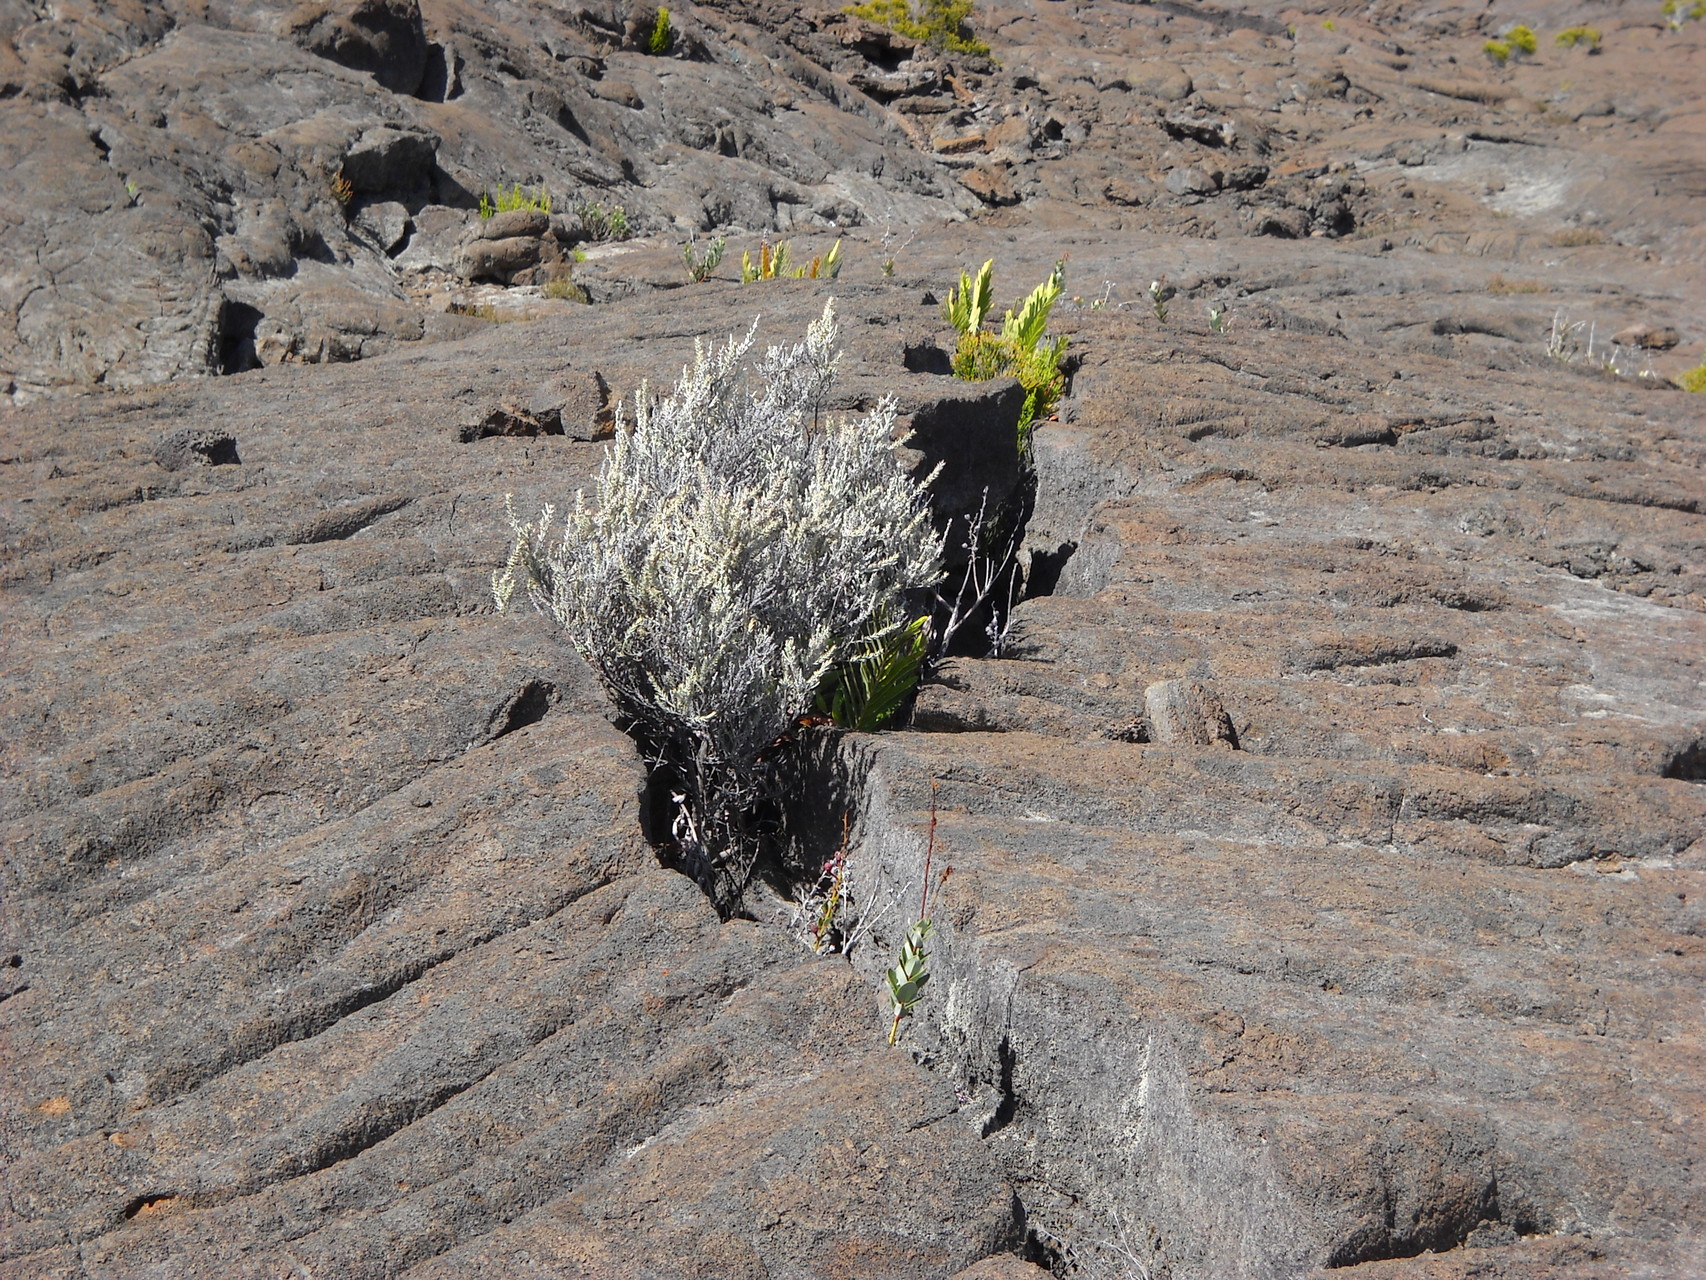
1159	293
906	980
1329	25
868	689
1019	349
662	38
826	266
601	224
1497	51
968	305
912	966
1570	37
1677	15
1695	379
941	24
132	191
515	198
892	251
343	190
772	264
699	269
561	286
1522	40
1217	321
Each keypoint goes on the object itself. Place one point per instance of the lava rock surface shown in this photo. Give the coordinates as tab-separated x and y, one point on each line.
1327	828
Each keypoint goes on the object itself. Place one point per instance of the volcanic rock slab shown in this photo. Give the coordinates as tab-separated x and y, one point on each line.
1327	841
1326	817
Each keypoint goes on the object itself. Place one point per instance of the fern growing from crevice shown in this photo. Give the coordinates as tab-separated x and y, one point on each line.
869	689
1021	349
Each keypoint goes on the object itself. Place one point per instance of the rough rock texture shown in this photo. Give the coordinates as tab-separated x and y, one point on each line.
270	214
1328	837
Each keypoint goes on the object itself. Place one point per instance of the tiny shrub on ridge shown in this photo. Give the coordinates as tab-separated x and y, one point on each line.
941	24
600	224
662	38
515	198
1020	349
738	546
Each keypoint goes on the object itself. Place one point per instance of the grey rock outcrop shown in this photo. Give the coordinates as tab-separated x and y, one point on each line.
1324	796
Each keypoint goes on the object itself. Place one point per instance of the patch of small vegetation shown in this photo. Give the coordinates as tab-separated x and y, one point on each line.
662	38
1522	40
486	311
740	542
1694	379
1498	284
1677	14
1497	51
515	198
941	24
1329	25
1570	37
1578	237
561	286
699	268
1020	349
342	189
601	224
772	264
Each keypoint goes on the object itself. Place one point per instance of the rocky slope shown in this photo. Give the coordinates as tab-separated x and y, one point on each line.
1328	833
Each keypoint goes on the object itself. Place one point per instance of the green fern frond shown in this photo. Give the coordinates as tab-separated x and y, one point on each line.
1025	329
869	689
968	306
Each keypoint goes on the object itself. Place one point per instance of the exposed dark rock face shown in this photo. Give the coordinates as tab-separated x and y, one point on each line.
1328	838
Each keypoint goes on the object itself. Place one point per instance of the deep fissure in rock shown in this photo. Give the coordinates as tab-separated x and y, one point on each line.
1688	764
238	322
527	705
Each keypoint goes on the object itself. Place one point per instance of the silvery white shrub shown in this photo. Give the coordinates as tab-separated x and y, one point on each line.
738	544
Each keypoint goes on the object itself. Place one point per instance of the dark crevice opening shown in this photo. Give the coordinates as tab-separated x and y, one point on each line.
143	1203
1448	1231
1008	1107
1688	764
528	705
812	802
238	322
926	357
1039	1253
439	82
1046	568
